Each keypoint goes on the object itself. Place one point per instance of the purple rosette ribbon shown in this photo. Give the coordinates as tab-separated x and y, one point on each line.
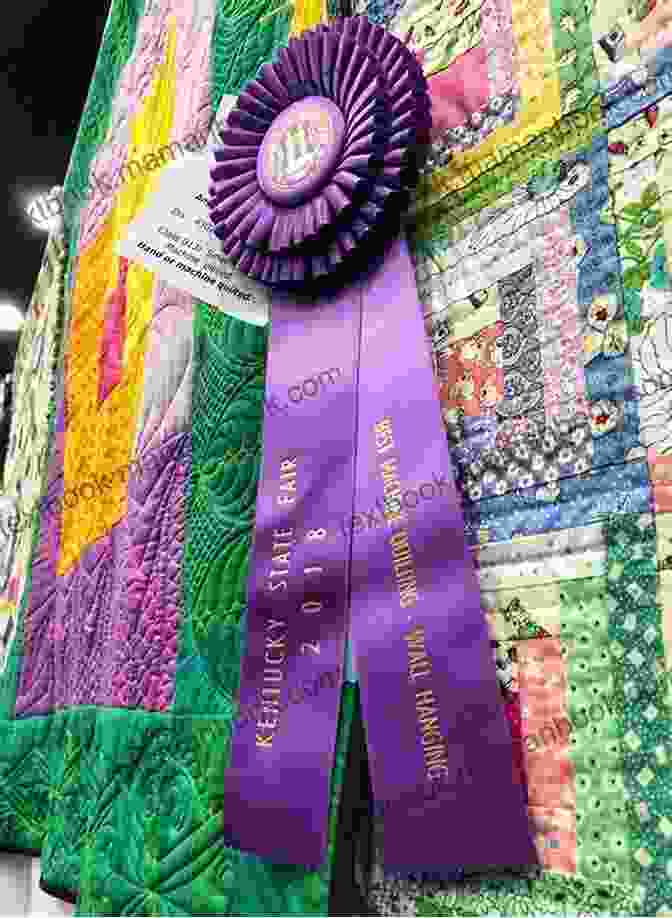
318	154
308	186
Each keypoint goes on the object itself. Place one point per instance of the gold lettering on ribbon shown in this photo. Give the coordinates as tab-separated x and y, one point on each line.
271	706
275	643
402	560
434	751
404	568
288	478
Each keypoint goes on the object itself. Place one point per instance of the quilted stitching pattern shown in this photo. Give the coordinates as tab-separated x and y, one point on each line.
541	242
118	705
26	459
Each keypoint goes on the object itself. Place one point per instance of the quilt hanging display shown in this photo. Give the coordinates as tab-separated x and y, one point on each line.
539	235
118	692
32	386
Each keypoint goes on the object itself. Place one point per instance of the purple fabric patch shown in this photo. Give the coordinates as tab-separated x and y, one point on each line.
144	632
36	685
106	632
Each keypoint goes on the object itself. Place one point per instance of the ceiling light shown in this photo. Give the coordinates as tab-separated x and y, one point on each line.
11	318
45	209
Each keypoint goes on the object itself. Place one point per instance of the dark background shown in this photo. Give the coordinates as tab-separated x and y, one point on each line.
47	55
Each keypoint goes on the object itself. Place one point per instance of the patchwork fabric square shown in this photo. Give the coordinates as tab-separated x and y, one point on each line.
547	236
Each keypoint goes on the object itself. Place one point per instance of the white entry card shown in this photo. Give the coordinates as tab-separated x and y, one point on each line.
173	237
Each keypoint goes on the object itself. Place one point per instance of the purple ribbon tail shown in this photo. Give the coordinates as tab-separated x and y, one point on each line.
277	788
440	749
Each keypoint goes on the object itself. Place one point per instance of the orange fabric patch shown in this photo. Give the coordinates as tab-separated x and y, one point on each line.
470	374
99	437
550	771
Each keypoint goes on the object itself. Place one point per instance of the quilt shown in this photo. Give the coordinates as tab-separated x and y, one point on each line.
541	234
118	689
